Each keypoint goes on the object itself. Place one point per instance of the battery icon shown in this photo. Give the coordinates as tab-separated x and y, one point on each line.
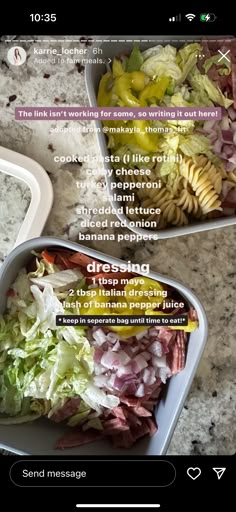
210	16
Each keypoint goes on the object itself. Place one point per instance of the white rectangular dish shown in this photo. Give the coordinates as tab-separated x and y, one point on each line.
30	172
39	437
93	74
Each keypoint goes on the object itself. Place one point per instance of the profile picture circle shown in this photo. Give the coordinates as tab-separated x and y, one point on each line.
16	55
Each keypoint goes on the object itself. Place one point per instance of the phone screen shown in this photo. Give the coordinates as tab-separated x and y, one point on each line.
117	303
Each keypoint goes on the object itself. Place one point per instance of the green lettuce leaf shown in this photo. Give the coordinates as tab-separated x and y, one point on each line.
39	360
169	147
201	82
186	51
154	50
224	67
162	63
59	280
194	144
80	416
187	59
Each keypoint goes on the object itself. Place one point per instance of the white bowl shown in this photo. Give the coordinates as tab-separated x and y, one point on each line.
39	437
93	74
33	174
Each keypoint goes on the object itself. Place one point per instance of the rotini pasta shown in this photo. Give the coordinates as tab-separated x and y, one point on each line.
195	191
214	174
170	212
189	202
176	185
202	186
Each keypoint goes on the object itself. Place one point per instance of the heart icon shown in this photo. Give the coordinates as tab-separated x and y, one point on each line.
193	473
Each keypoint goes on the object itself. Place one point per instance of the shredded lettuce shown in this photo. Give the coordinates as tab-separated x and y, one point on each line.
186	51
169	147
42	267
59	280
162	63
93	423
194	144
224	68
187	59
201	83
39	361
96	398
152	51
81	416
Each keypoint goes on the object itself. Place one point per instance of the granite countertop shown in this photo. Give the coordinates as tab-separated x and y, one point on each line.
205	261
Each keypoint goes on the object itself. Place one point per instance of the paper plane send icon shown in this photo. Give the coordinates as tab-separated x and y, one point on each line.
219	472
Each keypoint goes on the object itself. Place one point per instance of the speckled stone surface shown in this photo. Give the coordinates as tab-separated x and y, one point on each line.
14	201
205	262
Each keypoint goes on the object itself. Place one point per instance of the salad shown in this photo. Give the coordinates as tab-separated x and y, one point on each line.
189	172
100	382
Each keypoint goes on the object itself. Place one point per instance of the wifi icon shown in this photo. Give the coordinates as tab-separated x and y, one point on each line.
190	17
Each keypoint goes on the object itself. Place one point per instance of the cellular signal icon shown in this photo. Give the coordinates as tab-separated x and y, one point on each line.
175	18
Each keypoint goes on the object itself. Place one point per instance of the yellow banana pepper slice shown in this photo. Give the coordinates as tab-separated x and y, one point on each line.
96	305
105	90
146	140
117	68
154	90
128	81
144	289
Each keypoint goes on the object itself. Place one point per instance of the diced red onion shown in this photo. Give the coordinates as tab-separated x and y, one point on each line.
113	360
112	337
131	388
140	335
125	370
156	348
116	347
134	349
227	136
118	383
111	380
140	391
153	331
99	369
146	355
229	166
98	353
232	159
138	363
217	146
232	113
159	362
100	381
149	376
164	373
99	336
209	125
228	150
